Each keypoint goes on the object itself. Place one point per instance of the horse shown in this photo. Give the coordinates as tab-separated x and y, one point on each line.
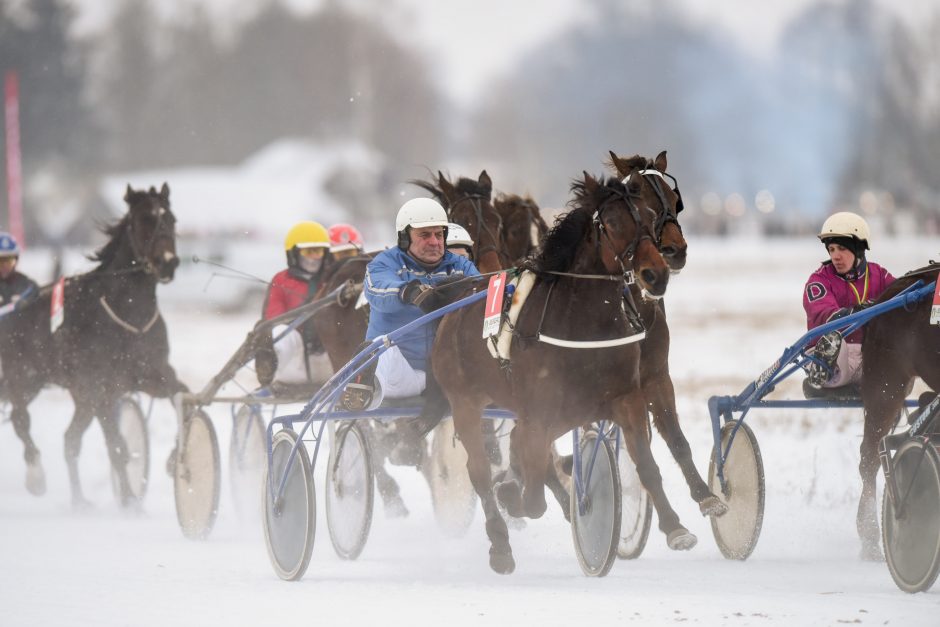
523	225
111	341
581	272
468	203
654	359
897	346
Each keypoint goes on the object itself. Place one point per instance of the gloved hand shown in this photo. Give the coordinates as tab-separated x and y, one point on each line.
848	311
412	291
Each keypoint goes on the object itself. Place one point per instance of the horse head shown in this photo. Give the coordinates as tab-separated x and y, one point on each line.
622	233
468	203
523	225
150	228
667	232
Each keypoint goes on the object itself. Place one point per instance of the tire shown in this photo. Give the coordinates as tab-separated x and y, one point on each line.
596	531
132	425
247	458
737	531
912	542
636	509
452	494
350	490
289	525
197	477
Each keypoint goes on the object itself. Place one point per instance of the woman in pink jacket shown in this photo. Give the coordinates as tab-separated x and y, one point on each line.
844	284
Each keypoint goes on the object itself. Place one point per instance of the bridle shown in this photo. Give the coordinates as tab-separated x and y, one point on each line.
142	262
656	179
476	201
641	232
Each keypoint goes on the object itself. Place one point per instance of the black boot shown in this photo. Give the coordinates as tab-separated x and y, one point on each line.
265	358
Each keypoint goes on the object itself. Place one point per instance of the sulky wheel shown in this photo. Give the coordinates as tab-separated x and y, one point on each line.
289	517
452	493
636	509
247	459
595	524
350	490
911	528
196	477
737	531
132	425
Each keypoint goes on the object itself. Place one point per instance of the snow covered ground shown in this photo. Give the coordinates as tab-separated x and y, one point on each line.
732	312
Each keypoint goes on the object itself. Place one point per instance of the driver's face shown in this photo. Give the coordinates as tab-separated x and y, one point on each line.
427	244
7	265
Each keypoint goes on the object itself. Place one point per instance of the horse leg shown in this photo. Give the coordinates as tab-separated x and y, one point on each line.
468	424
881	406
73	446
559	483
117	449
661	396
389	491
630	414
531	442
35	475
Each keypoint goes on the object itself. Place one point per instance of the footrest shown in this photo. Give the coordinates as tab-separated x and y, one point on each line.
844	393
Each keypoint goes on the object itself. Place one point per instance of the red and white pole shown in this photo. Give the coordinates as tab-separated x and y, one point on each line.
14	171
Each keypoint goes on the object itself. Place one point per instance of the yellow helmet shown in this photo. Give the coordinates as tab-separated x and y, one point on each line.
307	235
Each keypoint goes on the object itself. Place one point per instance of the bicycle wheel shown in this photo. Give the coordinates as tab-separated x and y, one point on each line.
636	509
197	477
290	522
452	494
132	425
247	458
912	540
350	490
737	531
595	526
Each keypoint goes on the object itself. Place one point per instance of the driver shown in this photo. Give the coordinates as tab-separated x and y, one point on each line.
15	287
843	285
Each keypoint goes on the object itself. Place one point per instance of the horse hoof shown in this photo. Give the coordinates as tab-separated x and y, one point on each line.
35	479
502	563
509	496
871	553
395	507
81	504
681	540
712	506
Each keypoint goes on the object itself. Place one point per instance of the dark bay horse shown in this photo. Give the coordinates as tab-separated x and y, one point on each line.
112	339
898	346
654	360
468	203
523	225
577	296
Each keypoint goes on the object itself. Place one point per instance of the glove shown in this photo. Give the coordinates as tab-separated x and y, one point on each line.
411	292
848	311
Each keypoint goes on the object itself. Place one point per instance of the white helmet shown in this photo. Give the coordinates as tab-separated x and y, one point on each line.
458	236
420	212
845	224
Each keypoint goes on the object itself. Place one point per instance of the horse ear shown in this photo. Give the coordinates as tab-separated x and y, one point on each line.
660	161
127	193
485	181
590	183
617	164
165	191
446	187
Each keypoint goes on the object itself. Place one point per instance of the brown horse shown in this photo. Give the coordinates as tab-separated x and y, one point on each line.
112	339
523	225
654	361
553	389
898	345
469	204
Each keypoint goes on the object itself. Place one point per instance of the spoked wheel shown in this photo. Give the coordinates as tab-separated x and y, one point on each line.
350	490
737	531
132	424
636	509
290	520
452	493
196	477
911	528
595	525
247	459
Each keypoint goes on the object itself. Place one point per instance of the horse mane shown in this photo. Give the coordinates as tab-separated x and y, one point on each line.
463	187
107	253
431	187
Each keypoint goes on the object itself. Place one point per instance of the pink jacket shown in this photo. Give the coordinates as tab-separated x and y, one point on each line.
826	292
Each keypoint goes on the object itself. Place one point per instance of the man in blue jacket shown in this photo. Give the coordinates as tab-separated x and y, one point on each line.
399	286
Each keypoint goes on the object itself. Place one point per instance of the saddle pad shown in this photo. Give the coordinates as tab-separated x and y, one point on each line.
523	283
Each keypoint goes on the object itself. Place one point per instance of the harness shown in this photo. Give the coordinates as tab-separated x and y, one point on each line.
476	203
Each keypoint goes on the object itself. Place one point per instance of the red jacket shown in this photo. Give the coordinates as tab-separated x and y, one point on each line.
286	292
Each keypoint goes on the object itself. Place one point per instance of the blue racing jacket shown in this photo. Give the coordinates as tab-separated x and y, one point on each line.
386	275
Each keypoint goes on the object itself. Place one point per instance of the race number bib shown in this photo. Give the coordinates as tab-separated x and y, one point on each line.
57	305
935	310
494	304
